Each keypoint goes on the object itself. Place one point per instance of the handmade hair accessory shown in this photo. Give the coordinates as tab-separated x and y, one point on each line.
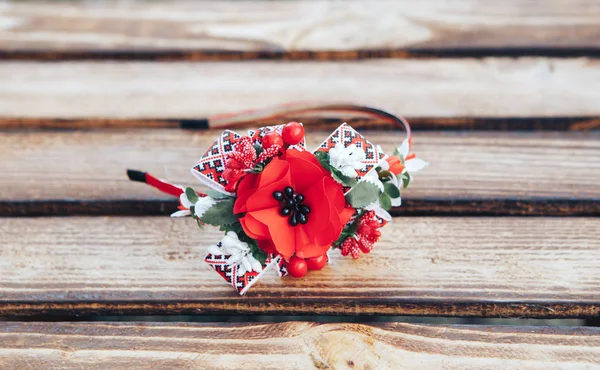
284	207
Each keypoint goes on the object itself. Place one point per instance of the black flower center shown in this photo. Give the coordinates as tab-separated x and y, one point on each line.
292	206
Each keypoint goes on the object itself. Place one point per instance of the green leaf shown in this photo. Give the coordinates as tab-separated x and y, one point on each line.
323	158
391	190
396	152
385	202
349	230
259	254
235	227
405	180
221	213
191	195
341	178
217	195
363	194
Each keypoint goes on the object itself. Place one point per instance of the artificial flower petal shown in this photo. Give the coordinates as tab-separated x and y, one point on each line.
282	234
396	202
244	191
182	213
322	195
254	228
185	202
415	164
404	148
379	211
302	171
346	159
214	249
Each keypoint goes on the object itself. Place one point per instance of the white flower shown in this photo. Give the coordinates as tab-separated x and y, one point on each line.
239	253
412	164
200	206
346	159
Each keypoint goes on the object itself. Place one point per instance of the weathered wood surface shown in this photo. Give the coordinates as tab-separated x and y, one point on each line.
491	87
488	267
294	345
297	30
83	172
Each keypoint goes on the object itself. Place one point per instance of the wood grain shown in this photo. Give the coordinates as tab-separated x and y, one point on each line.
296	30
83	172
449	88
294	345
488	267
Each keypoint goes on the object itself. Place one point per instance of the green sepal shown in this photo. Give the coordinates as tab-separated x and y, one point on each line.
191	195
391	190
405	180
258	168
221	213
363	194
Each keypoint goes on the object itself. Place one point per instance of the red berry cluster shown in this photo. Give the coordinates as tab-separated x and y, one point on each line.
238	162
244	157
268	153
367	234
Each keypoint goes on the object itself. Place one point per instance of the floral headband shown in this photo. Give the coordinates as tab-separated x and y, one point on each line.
285	207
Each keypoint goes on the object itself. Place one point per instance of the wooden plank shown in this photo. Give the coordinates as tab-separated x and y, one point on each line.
489	267
434	88
294	345
83	172
296	30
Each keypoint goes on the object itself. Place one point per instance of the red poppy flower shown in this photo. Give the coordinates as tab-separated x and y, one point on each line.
262	213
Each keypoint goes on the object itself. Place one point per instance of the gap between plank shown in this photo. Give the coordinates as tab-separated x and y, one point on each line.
300	55
565	123
411	207
309	306
311	318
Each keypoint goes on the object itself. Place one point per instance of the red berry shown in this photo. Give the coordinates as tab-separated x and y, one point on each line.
317	263
292	133
297	267
272	138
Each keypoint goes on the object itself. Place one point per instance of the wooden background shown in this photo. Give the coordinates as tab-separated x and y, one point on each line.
503	96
